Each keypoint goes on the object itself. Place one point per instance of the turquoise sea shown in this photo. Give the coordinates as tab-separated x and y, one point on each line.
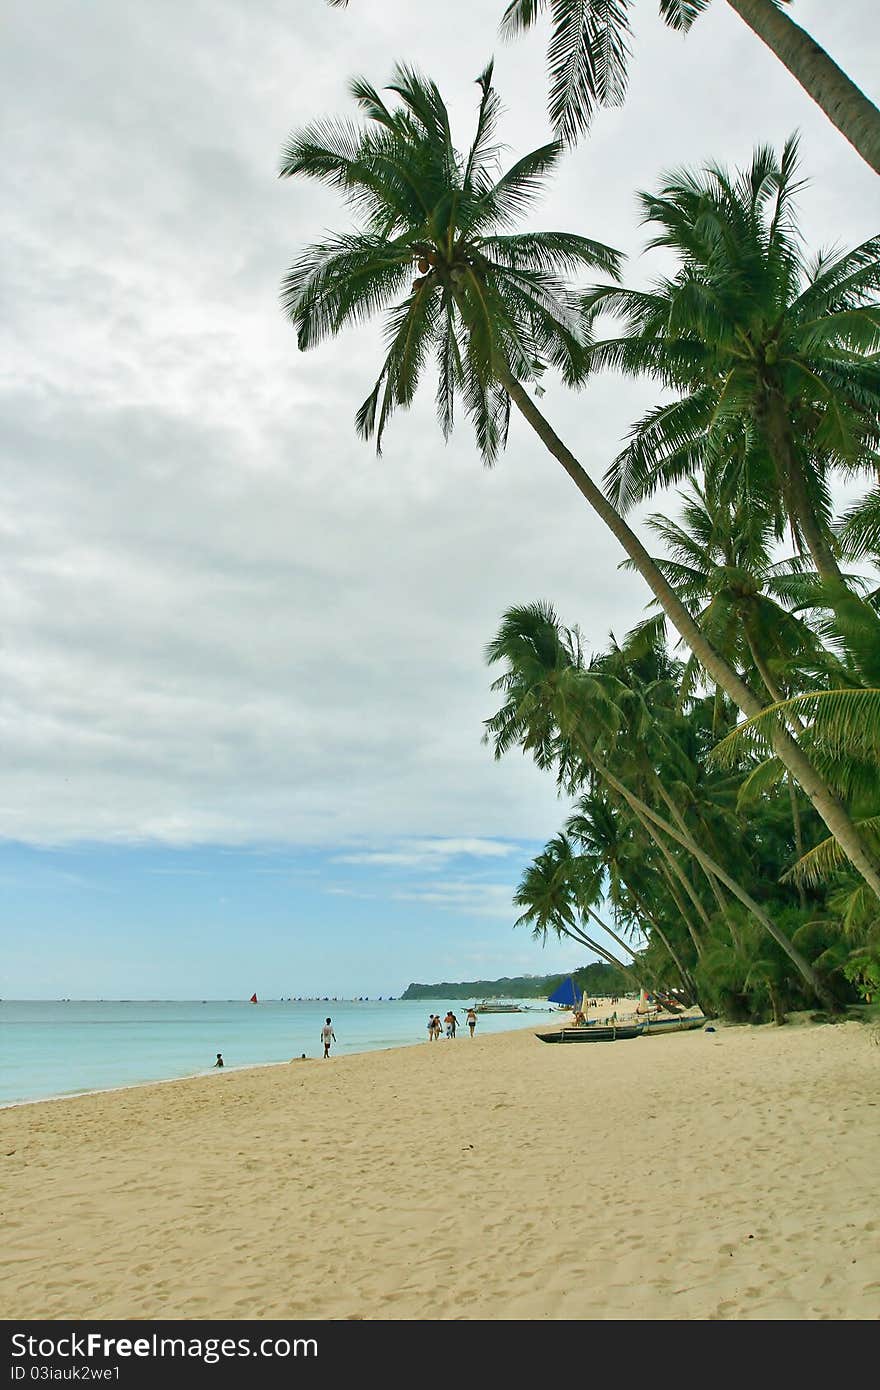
56	1048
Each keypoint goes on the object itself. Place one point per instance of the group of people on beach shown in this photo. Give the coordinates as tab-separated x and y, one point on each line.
435	1028
327	1037
450	1023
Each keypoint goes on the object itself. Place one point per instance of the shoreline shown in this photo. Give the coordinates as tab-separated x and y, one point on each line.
209	1070
727	1175
139	1085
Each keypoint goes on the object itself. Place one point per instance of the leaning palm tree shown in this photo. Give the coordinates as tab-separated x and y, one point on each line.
773	357
490	305
554	708
556	892
589	55
719	560
630	883
773	360
844	729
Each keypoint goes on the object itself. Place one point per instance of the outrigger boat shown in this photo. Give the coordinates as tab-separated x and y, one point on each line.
497	1006
674	1025
615	1032
593	1032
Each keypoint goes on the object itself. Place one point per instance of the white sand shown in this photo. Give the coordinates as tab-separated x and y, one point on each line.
701	1175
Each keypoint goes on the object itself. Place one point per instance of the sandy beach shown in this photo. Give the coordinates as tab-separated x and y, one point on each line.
701	1175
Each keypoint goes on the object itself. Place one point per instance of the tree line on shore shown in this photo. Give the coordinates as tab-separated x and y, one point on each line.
596	978
721	759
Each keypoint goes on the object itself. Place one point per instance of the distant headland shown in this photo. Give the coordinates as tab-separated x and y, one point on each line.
596	978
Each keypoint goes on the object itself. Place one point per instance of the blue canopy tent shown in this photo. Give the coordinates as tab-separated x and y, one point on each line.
567	994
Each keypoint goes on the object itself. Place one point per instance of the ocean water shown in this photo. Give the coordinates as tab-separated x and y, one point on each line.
56	1048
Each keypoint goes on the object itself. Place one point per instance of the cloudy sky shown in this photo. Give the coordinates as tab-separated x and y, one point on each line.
242	681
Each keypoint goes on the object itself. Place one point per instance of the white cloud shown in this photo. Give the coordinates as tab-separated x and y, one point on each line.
221	618
468	897
434	852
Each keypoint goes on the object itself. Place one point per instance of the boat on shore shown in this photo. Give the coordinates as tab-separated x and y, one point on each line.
616	1032
674	1025
593	1032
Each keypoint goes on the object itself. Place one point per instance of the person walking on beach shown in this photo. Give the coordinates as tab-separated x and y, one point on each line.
470	1019
451	1021
437	1026
432	1027
327	1036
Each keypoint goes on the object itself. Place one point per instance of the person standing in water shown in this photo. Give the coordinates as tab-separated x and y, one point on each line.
327	1036
219	1062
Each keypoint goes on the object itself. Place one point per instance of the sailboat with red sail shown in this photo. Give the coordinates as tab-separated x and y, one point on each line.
254	999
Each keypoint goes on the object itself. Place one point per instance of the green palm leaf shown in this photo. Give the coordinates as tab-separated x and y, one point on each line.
488	304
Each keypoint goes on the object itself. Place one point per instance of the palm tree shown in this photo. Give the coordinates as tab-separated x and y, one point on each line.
589	54
550	702
844	728
557	890
718	559
628	879
490	305
773	357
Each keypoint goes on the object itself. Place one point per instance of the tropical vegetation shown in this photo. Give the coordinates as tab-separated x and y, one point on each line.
720	762
596	978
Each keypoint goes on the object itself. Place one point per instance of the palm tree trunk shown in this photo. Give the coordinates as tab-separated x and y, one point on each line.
682	910
766	675
856	618
829	807
845	105
677	872
803	967
712	881
774	418
684	974
798	837
777	697
577	935
624	946
776	1005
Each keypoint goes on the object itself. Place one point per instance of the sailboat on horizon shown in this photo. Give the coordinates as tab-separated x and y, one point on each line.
253	999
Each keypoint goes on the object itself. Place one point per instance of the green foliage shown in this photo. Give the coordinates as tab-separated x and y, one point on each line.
486	303
595	978
863	970
688	839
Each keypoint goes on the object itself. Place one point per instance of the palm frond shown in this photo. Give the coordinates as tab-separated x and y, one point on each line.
845	722
521	15
828	858
859	532
587	58
765	777
680	14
